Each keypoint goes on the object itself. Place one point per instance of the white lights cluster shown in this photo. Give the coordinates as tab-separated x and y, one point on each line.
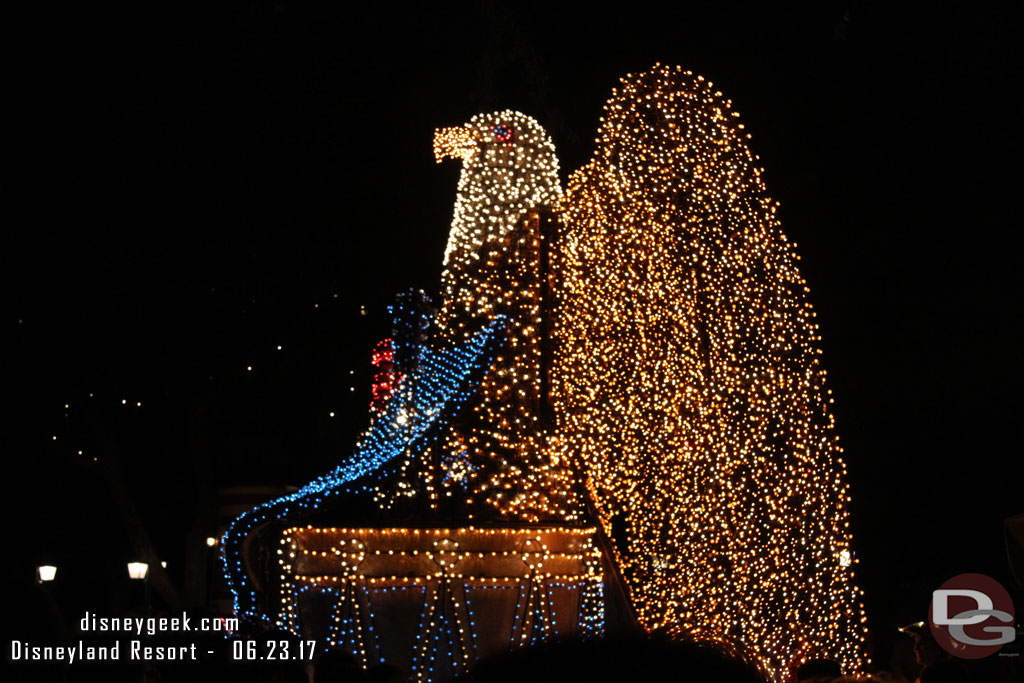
509	167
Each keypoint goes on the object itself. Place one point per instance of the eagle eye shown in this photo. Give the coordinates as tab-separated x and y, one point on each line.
502	133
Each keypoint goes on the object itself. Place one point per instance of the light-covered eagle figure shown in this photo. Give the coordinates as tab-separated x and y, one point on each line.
499	458
638	351
686	384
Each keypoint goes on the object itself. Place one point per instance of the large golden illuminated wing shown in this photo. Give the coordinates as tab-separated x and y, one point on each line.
689	383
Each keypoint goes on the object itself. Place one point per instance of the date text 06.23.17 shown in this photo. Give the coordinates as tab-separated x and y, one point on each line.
272	650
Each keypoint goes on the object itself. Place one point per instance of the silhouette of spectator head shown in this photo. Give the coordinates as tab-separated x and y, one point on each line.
622	658
336	666
944	672
818	671
386	673
926	650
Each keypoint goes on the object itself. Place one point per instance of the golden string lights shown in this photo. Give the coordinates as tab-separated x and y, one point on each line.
658	345
687	383
690	387
544	582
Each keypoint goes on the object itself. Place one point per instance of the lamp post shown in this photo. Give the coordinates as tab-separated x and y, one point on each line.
139	571
209	558
45	575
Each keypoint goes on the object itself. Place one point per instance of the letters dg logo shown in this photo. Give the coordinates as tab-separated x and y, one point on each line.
971	616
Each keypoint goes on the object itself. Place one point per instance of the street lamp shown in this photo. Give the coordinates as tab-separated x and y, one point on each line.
46	572
211	543
138	570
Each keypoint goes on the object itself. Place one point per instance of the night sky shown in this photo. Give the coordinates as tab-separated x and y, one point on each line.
191	189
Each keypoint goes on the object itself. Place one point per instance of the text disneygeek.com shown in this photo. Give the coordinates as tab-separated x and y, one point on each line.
127	650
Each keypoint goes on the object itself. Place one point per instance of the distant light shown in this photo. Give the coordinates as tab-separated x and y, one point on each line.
80	452
124	402
163	564
249	368
332	413
350	389
139	404
845	559
54	437
211	541
401	419
278	347
46	572
138	570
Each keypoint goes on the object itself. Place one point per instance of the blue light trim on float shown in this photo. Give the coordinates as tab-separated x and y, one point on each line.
442	382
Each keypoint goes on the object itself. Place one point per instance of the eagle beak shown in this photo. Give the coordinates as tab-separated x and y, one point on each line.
456	142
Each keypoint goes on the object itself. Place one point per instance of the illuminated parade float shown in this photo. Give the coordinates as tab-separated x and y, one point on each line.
614	415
